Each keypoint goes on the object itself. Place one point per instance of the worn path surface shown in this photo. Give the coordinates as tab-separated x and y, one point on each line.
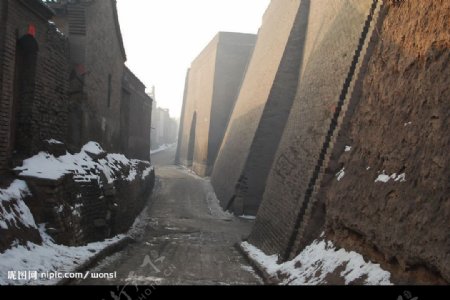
185	238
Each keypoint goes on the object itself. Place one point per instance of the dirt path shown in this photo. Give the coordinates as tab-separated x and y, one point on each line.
186	238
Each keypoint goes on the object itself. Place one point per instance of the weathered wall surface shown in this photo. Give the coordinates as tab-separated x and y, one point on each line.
401	126
97	56
34	80
196	119
104	63
213	85
135	121
100	199
233	56
272	39
16	223
183	114
333	33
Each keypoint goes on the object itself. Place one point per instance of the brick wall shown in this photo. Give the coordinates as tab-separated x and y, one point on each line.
213	84
198	104
254	94
181	128
97	56
39	110
104	58
4	105
135	128
78	211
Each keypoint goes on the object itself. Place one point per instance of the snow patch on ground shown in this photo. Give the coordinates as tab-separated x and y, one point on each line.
248	217
214	206
340	174
162	148
316	261
48	257
20	211
215	209
384	178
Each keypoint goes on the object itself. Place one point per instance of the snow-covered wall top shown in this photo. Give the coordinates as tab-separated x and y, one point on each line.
89	164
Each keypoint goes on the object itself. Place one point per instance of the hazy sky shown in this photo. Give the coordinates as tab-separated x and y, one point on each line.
162	37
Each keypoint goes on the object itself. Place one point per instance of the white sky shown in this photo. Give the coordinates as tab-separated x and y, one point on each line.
162	37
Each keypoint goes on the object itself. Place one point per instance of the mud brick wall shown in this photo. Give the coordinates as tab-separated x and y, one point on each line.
399	125
335	34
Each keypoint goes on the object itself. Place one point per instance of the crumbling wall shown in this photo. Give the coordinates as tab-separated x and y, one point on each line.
393	199
17	225
88	196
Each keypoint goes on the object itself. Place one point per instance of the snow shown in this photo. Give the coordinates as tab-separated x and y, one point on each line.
133	173
48	257
20	212
53	141
162	148
83	166
318	260
401	178
348	148
47	166
214	207
147	172
384	178
340	174
248	217
93	147
56	27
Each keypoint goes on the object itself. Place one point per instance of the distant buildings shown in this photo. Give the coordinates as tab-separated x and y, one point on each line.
164	128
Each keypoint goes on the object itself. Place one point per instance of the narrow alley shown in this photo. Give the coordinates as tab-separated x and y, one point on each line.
185	237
